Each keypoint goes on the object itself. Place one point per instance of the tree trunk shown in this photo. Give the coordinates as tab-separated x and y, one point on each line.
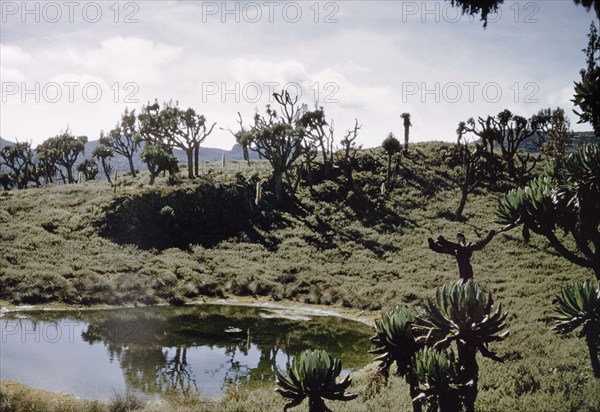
190	161
462	203
106	171
449	402
196	159
279	187
70	177
246	154
469	370
131	166
326	166
389	172
414	392
406	131
309	174
593	341
316	404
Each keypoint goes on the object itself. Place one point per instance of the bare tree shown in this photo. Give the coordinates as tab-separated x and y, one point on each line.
188	130
507	132
407	124
278	138
349	150
321	133
243	137
124	139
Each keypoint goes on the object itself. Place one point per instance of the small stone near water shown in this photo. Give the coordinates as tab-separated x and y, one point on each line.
231	329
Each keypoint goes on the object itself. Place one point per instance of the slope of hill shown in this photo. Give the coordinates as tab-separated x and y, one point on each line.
339	245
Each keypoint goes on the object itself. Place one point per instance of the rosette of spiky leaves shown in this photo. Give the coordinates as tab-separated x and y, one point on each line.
312	374
582	191
437	375
533	205
578	305
394	340
465	313
587	99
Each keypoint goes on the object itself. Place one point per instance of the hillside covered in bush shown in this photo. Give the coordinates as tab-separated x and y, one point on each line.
357	246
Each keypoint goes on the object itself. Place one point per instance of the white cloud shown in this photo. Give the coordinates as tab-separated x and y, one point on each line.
13	56
123	59
561	98
368	56
13	62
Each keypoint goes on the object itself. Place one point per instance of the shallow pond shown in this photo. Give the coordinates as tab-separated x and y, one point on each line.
97	353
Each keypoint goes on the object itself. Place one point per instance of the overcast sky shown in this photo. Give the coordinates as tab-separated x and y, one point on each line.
81	63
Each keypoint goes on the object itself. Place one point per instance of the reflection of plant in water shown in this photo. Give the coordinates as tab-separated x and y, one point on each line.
152	344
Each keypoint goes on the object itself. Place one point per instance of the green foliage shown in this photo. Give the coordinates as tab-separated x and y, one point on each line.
312	374
395	341
104	154
354	251
583	168
567	198
587	91
532	205
278	138
465	313
19	161
125	138
89	168
180	128
437	374
507	132
391	145
159	159
60	154
475	7
554	132
126	402
179	218
578	305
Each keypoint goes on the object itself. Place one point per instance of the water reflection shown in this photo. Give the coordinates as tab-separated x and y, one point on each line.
203	348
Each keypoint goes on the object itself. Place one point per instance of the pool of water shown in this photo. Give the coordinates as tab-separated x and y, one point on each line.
206	348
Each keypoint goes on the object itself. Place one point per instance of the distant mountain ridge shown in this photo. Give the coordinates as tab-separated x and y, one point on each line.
579	138
120	163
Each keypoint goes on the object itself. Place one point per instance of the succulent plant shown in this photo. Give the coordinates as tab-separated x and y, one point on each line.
394	340
578	305
313	374
464	313
533	205
437	375
566	197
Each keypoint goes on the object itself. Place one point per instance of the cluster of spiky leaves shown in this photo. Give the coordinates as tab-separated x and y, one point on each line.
463	312
547	202
394	340
567	196
587	98
437	374
578	304
532	205
583	166
312	374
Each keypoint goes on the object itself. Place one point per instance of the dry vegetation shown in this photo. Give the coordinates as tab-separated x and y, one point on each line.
335	246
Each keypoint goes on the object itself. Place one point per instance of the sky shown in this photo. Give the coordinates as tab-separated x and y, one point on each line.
79	64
